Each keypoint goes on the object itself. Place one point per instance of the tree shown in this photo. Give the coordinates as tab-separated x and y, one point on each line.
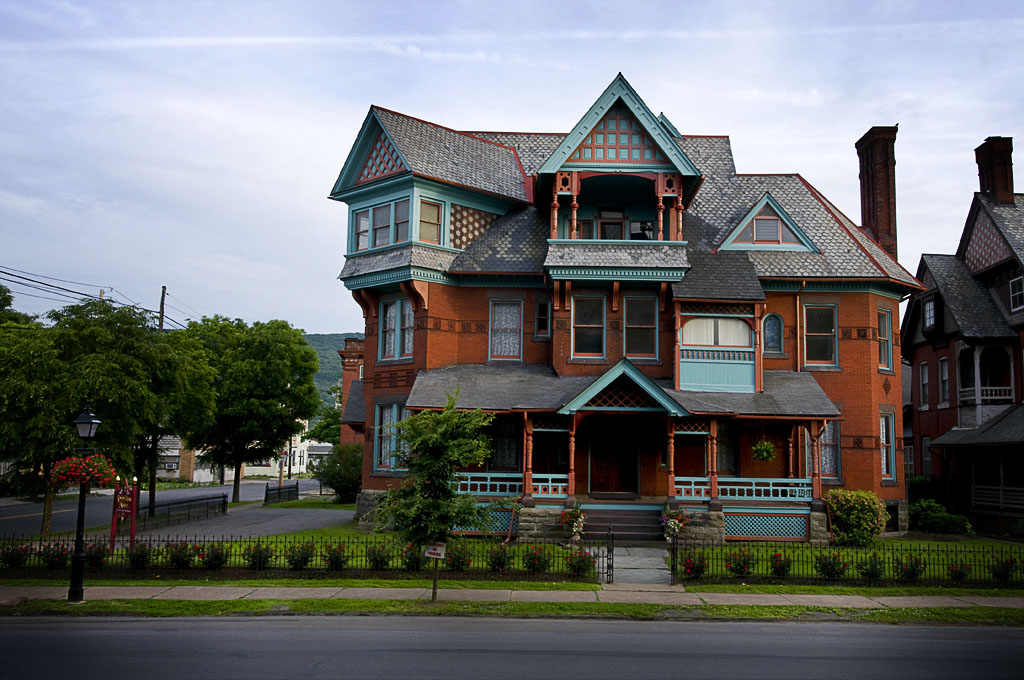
7	312
327	427
342	471
264	387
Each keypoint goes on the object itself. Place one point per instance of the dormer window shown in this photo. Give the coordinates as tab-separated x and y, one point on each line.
929	313
768	228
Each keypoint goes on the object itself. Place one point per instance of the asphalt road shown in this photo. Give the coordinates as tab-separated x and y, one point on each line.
25	519
456	648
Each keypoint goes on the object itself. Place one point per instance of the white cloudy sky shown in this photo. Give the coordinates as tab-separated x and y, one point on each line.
192	144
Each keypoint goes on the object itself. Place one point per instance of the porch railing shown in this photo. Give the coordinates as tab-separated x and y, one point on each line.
550	486
746	488
987	394
492	483
1005	497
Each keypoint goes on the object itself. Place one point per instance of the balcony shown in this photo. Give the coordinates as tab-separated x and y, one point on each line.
710	369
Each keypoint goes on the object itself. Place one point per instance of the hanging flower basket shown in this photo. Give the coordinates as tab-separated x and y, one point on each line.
78	470
764	450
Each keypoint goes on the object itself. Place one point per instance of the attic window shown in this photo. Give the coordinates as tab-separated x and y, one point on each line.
768	228
929	313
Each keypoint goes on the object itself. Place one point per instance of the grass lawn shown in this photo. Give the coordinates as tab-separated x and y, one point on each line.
325	502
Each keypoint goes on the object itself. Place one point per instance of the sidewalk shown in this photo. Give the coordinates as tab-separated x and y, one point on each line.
622	593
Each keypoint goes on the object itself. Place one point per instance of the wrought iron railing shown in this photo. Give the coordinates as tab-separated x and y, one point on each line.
170	513
280	494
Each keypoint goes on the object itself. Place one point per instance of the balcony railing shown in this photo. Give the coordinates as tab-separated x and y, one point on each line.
716	369
1004	497
988	394
698	488
745	488
550	486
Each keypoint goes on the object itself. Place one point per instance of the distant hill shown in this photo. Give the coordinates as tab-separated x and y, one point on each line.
327	346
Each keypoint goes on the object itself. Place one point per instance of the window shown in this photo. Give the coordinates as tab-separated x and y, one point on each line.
506	329
886	441
908	460
717	332
829	444
1017	294
362	229
929	313
387	446
381	225
944	381
923	372
768	228
396	329
430	222
588	326
506	441
926	456
885	339
725	449
618	137
820	334
610	224
771	329
641	315
542	319
401	221
390	224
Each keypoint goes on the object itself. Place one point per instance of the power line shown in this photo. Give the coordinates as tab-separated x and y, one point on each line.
35	287
197	312
54	278
41	297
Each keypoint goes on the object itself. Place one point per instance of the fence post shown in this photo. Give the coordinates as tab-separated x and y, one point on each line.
674	557
224	504
266	494
611	556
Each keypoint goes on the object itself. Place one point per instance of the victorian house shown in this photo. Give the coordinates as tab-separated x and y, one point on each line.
648	325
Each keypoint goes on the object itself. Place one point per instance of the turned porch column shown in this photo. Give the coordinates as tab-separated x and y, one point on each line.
571	498
713	455
678	236
554	215
661	217
528	462
574	206
789	453
815	435
670	447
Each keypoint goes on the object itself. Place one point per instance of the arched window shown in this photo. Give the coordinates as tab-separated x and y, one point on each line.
771	329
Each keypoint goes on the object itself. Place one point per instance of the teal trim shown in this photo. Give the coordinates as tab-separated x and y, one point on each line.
890	447
700	432
669	127
887	363
616	274
555	429
770	509
604	327
626	368
395	276
582	166
490	327
398	301
608	241
379	200
463	197
805	243
618	89
772	286
620	506
396	414
367	137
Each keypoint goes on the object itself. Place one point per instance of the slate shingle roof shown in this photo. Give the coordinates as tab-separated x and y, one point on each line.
786	393
533	147
517	242
411	255
354	408
451	156
633	255
1005	429
1009	218
973	309
723	276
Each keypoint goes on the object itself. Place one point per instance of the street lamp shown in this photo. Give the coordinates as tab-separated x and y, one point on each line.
86	423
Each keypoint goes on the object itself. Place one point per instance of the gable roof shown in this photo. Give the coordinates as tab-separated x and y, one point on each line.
1008	218
628	370
533	148
517	242
973	309
1006	429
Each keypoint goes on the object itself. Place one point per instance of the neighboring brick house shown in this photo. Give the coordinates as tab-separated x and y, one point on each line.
635	312
351	373
964	338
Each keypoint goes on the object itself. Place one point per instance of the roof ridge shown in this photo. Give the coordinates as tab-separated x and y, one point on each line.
511	132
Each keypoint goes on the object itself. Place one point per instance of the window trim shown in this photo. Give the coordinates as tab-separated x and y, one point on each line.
923	391
885	361
400	328
888	448
943	381
537	306
1020	294
397	411
439	223
782	335
625	326
834	335
490	329
371	231
604	328
928	313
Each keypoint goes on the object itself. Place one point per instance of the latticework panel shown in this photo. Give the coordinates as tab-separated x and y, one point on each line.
699	308
468	223
622	393
793	527
382	160
699	426
551	421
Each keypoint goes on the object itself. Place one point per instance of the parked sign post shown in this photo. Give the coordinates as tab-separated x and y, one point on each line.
435	550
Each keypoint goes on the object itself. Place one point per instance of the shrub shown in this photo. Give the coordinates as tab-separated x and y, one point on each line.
299	555
342	471
1003	568
457	555
336	556
499	559
413	558
214	556
378	556
873	567
181	554
55	555
831	565
958	571
258	556
537	558
858	517
909	568
928	515
780	565
580	563
139	556
740	562
15	555
96	555
692	564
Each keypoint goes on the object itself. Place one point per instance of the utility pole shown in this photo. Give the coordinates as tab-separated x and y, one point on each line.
291	440
156	445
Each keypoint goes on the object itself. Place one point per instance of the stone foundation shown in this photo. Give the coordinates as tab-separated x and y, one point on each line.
704	527
819	534
540	522
366	503
903	515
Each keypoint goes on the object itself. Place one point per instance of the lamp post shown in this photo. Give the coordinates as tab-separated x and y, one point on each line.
86	423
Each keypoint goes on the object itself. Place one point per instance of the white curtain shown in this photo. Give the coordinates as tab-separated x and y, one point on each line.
407	321
699	332
505	330
733	332
390	314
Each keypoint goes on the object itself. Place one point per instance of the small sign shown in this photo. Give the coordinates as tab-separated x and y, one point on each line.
435	550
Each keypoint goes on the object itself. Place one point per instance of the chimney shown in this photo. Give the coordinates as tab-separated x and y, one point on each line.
995	168
351	365
878	185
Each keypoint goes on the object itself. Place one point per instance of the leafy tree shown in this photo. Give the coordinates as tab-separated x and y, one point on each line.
7	312
327	427
264	387
342	471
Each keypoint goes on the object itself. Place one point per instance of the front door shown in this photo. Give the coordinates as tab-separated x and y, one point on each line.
613	460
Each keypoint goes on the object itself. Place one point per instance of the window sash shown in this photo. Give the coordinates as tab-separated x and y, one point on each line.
886	444
387	443
382	225
542	319
588	331
772	329
923	373
430	222
402	221
716	332
362	219
407	328
884	339
396	329
929	313
943	381
641	326
1017	293
820	334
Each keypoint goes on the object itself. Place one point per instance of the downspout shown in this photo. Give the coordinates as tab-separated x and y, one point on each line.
799	318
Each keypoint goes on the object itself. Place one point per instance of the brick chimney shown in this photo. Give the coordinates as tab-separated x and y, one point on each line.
351	367
995	168
878	185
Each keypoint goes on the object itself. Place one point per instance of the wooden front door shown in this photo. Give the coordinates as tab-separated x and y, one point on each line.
613	460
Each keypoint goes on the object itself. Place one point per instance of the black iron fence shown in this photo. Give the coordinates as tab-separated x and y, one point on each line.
357	557
889	563
280	494
171	513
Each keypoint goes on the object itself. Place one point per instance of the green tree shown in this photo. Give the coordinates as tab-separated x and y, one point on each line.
7	312
264	388
327	427
342	471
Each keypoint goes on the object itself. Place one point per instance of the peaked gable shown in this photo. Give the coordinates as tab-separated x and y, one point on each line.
373	156
623	387
767	226
618	138
382	160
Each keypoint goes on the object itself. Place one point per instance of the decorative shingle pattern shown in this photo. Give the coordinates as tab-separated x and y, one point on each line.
354	409
468	223
711	155
638	254
533	148
1009	217
516	242
786	393
973	309
454	157
1006	429
722	276
411	255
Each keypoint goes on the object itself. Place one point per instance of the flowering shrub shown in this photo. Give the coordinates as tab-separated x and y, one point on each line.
378	557
673	521
831	565
580	563
15	555
573	520
692	564
214	556
299	555
258	556
139	556
958	571
873	567
499	559
181	554
780	565
1002	570
457	556
413	558
55	555
75	470
537	558
909	568
858	517
336	556
740	562
96	555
